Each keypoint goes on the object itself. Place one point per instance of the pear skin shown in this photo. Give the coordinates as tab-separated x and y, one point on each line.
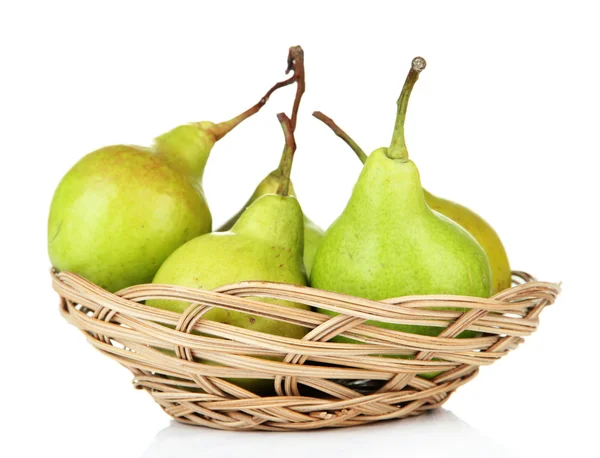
485	235
119	212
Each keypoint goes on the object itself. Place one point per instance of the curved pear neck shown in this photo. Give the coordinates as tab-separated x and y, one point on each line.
275	219
397	149
388	187
187	148
268	185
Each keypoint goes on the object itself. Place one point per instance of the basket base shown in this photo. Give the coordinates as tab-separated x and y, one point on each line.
296	413
321	420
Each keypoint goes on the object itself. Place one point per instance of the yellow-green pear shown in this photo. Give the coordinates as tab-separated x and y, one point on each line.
483	232
265	244
388	242
121	210
474	224
312	232
269	185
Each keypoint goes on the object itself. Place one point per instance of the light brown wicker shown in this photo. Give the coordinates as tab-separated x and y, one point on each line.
317	383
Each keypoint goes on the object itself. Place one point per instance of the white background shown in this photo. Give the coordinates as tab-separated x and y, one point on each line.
504	120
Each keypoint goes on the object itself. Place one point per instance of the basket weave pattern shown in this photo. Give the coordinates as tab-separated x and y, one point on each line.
316	382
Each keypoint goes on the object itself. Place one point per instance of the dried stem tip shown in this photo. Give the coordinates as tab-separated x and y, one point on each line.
295	63
419	64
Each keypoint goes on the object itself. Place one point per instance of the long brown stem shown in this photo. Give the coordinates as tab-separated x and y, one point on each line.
295	64
343	135
287	155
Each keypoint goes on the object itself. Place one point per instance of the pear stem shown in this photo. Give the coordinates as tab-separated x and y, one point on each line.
397	149
287	157
295	64
342	134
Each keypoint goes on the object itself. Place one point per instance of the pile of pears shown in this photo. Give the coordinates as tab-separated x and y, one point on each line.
126	215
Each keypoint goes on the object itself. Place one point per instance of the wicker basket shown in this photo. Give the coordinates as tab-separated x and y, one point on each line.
317	383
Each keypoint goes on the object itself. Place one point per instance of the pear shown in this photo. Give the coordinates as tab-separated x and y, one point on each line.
388	242
264	244
483	232
269	185
312	232
121	210
475	225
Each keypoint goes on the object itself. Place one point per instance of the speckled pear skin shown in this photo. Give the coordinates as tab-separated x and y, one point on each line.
313	234
265	244
120	212
485	235
388	243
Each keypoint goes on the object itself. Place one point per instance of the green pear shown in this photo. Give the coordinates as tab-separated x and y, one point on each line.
312	232
265	244
483	232
269	185
474	224
121	210
388	242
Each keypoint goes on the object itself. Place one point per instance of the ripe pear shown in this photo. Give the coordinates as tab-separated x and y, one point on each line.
121	210
474	224
265	244
483	232
269	185
388	242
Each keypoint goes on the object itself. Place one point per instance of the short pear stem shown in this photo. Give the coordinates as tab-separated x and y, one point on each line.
287	157
295	64
397	149
342	134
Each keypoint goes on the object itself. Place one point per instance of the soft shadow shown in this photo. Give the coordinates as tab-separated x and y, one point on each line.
436	434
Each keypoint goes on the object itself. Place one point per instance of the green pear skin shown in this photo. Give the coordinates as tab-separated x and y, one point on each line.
388	243
265	244
485	235
121	211
313	234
